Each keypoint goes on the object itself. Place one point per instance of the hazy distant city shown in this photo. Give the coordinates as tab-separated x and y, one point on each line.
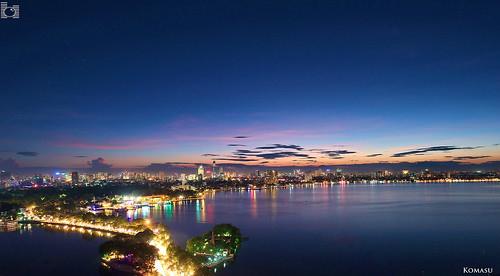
215	176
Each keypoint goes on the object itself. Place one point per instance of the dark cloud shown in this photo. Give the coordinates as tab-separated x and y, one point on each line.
209	154
99	165
459	158
496	144
282	154
337	157
80	156
244	151
240	156
8	164
241	137
374	155
27	153
236	145
420	151
264	162
334	154
281	146
236	159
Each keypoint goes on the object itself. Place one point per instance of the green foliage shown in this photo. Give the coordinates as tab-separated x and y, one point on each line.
143	255
222	237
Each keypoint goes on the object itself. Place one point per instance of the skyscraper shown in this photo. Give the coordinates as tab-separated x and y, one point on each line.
201	173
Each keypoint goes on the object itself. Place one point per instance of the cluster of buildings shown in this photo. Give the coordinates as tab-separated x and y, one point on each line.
215	174
8	180
62	178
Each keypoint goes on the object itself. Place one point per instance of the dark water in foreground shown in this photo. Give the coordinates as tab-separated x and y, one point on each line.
41	252
404	229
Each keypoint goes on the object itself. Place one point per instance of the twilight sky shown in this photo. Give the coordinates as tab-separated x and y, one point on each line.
253	82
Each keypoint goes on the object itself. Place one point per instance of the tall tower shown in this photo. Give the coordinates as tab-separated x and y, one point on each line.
214	174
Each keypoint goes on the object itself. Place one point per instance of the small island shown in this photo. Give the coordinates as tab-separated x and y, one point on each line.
215	246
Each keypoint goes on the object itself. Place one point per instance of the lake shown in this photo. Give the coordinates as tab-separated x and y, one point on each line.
400	229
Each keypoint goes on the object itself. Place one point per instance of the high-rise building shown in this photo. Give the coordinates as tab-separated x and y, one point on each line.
201	173
214	172
271	177
75	178
221	173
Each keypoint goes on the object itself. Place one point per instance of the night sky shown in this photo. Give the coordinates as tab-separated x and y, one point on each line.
251	82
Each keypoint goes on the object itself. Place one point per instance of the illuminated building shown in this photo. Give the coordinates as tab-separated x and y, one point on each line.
271	177
217	171
191	177
221	173
382	174
125	175
201	173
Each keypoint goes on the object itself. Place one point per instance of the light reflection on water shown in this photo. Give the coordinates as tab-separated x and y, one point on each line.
401	229
392	229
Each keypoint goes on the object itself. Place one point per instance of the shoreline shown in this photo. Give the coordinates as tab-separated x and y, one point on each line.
371	183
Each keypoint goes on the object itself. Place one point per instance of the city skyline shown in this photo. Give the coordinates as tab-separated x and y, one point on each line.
278	85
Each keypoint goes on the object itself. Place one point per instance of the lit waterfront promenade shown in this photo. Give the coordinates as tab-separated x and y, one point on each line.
74	223
166	263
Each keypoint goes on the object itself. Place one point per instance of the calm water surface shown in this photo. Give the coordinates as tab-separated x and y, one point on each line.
42	252
404	229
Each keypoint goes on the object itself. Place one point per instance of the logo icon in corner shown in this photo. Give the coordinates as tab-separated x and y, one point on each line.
7	11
